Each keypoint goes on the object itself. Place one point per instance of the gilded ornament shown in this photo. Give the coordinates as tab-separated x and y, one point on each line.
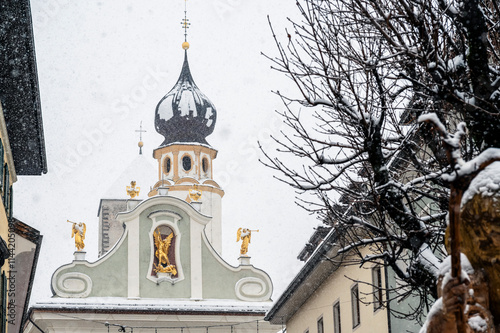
245	235
133	191
78	232
161	253
195	193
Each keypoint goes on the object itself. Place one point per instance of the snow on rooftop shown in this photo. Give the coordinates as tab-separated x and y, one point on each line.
151	304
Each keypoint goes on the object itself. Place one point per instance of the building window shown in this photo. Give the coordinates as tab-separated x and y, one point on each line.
320	325
336	318
204	164
167	165
186	163
6	184
8	195
356	320
377	287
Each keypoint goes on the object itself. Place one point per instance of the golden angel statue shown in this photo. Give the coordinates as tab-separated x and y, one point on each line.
162	250
133	191
78	232
245	235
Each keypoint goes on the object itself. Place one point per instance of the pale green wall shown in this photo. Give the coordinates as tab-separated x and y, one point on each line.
217	278
109	279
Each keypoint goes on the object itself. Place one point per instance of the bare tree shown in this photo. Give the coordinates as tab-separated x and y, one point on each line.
365	71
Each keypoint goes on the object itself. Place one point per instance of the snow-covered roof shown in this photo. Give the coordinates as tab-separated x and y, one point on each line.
120	304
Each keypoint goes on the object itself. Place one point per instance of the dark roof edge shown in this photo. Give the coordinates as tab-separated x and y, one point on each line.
315	259
43	156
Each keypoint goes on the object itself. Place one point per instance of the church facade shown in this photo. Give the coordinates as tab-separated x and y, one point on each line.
160	266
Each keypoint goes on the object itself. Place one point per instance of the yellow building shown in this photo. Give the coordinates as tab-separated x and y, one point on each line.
328	296
22	152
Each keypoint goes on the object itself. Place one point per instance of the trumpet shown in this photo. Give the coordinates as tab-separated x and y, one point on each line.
254	230
72	222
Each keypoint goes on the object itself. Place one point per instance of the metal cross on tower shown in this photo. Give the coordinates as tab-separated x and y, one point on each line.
140	130
185	21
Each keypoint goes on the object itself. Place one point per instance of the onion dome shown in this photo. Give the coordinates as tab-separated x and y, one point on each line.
185	114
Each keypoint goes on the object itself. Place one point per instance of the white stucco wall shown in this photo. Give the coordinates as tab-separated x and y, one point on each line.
338	288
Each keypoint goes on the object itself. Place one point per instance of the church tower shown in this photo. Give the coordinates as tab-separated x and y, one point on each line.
160	265
185	117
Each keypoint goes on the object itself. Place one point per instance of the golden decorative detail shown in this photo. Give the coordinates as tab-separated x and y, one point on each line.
245	235
162	250
185	45
78	232
133	191
195	193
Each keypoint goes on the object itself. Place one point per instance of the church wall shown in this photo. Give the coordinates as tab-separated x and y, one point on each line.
148	288
211	206
110	228
127	269
218	275
103	273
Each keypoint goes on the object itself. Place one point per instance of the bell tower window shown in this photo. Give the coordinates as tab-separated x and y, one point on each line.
187	163
204	164
167	165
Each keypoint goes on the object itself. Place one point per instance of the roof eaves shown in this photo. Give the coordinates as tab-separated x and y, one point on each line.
315	260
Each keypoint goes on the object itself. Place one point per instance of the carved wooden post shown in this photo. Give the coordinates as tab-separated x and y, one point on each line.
456	193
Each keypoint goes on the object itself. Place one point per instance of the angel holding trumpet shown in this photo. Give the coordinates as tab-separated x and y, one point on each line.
78	232
245	235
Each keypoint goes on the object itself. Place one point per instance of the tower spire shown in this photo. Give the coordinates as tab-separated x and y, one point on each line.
185	25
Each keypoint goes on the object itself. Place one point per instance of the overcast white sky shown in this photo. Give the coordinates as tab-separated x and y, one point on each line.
104	65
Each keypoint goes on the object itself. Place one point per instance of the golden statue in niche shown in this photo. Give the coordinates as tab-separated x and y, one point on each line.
133	191
245	235
78	232
162	249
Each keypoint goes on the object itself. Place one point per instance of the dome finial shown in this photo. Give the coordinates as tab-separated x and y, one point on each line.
185	25
185	114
